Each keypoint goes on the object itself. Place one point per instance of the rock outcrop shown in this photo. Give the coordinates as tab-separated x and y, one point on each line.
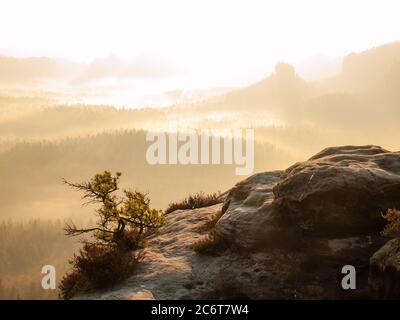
288	234
340	192
384	275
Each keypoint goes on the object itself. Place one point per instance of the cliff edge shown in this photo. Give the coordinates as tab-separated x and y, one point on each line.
286	234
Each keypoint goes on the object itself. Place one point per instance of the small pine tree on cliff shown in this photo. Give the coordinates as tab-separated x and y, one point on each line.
392	229
123	220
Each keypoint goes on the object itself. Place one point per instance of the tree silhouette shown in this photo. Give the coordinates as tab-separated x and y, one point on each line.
123	221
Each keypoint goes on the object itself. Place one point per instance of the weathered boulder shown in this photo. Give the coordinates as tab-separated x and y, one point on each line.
340	192
327	210
247	218
384	274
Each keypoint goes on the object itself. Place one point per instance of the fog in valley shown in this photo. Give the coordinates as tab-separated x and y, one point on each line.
71	116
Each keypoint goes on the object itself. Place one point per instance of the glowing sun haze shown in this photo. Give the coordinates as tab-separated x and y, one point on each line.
214	40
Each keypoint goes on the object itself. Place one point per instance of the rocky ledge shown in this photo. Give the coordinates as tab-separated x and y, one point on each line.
287	235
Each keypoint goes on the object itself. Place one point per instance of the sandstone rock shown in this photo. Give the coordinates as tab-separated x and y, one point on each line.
288	234
247	218
384	276
340	192
170	269
141	295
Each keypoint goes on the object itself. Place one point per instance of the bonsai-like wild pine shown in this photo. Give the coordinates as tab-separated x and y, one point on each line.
392	229
123	221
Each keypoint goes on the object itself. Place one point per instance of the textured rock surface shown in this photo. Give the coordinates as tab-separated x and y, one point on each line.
384	276
247	218
289	234
170	269
340	192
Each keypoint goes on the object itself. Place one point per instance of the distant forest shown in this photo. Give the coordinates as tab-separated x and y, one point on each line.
24	248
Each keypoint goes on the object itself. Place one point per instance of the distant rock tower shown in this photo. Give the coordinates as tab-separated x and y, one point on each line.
284	71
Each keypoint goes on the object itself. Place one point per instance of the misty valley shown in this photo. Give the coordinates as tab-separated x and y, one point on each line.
291	130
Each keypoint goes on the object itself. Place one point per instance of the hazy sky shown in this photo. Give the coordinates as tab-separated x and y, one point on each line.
206	38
